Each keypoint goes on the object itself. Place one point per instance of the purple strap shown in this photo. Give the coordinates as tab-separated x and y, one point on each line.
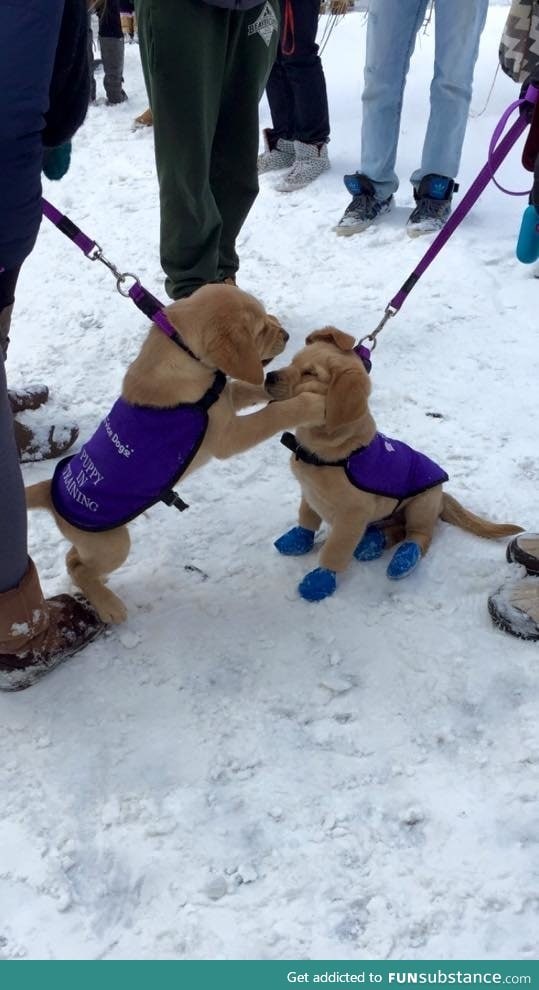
148	304
67	227
496	157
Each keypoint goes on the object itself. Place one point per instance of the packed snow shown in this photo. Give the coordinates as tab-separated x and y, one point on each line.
235	773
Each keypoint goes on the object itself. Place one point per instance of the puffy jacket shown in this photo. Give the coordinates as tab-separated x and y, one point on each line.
44	89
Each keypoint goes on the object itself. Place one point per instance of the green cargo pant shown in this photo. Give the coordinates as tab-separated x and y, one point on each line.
205	69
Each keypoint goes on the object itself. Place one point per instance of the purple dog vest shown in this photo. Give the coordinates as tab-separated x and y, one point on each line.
131	462
385	467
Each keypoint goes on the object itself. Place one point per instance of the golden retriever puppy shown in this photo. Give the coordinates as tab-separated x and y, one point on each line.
176	411
372	491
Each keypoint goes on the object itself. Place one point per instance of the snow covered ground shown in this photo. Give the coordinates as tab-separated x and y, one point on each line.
235	773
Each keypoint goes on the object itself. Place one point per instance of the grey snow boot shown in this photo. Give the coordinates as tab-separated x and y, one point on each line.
311	161
276	154
112	53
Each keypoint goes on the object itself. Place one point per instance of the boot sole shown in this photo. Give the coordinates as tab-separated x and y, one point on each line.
504	623
516	555
20	679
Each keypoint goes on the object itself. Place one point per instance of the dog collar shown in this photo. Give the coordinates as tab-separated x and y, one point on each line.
302	454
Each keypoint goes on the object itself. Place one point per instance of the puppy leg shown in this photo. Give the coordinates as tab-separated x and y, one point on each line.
420	517
336	554
243	394
307	517
300	539
377	538
246	431
93	557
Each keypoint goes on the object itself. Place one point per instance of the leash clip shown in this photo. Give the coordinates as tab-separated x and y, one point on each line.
96	254
388	313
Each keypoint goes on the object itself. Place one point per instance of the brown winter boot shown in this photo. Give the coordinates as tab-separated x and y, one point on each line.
23	399
43	444
144	119
38	634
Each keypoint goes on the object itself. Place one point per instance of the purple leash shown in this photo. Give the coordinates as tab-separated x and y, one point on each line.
498	151
148	304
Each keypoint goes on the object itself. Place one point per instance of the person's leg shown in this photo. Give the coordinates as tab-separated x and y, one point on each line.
250	55
281	102
278	145
458	27
183	52
391	32
13	550
304	74
111	43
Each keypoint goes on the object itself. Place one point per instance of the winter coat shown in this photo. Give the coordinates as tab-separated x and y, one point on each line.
519	45
44	93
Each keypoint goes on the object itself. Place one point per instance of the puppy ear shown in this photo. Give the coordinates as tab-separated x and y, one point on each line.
232	350
332	336
347	397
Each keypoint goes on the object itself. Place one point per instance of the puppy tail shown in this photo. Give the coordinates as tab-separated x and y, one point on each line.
39	496
455	514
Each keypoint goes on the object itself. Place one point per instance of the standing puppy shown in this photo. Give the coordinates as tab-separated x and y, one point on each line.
371	490
177	410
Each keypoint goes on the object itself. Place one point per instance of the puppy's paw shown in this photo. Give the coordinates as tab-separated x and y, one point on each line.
372	544
318	584
312	409
404	560
111	609
297	541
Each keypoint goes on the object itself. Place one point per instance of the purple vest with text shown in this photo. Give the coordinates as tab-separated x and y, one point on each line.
133	459
392	468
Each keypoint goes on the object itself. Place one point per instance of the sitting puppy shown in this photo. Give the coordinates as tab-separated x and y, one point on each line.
372	491
176	411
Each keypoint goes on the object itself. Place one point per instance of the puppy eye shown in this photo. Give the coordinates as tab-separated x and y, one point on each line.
308	373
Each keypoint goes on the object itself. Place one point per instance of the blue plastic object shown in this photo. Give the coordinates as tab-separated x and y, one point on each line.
372	544
296	542
317	584
404	560
528	238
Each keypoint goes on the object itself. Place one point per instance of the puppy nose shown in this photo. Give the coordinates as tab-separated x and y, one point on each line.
286	336
271	378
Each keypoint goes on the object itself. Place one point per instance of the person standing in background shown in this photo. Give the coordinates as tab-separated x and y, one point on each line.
206	63
392	28
298	102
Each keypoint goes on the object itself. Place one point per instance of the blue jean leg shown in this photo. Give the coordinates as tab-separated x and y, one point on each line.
391	32
458	25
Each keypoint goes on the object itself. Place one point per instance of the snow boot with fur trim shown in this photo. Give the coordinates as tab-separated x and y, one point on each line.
38	634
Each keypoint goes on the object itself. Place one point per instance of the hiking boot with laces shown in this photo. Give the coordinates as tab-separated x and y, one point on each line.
433	198
277	153
364	209
311	161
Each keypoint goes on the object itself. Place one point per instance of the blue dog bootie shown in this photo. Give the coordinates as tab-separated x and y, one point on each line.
404	560
296	542
371	545
317	585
